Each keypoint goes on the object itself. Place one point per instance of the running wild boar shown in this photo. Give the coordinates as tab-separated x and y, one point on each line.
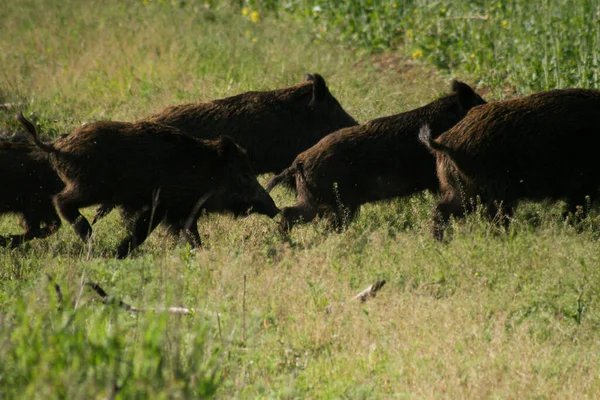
543	146
28	183
155	173
378	160
272	126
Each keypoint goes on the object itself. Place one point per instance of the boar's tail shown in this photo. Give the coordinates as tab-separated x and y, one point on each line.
30	128
429	142
287	176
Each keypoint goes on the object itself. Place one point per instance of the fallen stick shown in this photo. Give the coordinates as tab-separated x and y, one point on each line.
107	300
369	292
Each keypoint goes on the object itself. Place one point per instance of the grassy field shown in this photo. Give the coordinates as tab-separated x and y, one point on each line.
492	314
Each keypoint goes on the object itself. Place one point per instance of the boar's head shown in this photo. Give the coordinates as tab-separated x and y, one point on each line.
325	108
238	191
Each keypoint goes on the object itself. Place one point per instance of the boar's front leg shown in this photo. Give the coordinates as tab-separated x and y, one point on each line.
299	213
143	225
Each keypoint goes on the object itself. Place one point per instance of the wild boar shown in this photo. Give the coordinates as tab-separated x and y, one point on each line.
543	146
28	184
272	126
155	173
379	160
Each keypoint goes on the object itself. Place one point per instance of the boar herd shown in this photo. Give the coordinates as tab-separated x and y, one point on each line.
171	167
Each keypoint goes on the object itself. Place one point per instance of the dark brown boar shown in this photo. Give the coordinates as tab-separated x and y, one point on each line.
272	126
28	184
543	146
155	173
379	160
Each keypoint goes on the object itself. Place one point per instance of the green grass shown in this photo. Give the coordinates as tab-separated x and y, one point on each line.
491	314
518	45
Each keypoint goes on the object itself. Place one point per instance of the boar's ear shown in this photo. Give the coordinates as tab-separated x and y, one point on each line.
467	98
320	90
227	148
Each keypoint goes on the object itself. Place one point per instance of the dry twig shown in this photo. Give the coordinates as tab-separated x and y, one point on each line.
8	106
57	290
371	291
107	300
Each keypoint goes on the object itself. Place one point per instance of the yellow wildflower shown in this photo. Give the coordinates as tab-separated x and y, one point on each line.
504	23
417	54
245	11
394	5
443	10
254	40
254	17
472	55
145	1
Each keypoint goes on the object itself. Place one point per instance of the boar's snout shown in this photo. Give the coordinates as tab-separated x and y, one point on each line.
264	204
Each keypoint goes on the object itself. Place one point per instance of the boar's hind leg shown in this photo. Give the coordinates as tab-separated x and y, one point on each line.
448	205
143	225
33	229
68	204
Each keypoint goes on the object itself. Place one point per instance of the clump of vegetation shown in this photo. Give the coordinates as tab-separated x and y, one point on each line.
522	45
67	347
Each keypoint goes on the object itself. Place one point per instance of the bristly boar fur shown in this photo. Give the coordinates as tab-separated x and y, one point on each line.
543	146
28	184
154	172
272	126
379	160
